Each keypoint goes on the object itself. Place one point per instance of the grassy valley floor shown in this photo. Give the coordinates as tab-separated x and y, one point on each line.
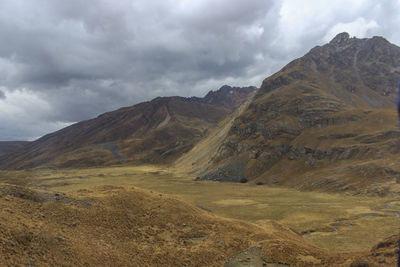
332	221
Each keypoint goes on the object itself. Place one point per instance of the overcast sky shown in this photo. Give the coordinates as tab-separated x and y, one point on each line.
65	61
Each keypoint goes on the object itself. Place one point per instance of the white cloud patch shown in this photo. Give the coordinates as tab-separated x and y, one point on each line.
19	113
360	28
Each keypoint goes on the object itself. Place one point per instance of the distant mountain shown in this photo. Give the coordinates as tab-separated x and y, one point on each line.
157	131
326	121
230	97
7	147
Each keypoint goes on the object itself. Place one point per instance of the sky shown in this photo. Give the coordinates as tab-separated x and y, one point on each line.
66	61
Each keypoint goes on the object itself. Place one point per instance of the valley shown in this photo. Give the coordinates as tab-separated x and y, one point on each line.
332	221
303	171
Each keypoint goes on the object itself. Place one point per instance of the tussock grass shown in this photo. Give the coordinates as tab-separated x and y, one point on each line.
333	221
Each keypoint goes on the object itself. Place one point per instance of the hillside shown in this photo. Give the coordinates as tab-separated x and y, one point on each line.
326	121
158	131
7	147
133	227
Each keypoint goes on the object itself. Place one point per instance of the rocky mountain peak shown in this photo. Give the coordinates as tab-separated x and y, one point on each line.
359	72
341	38
374	45
228	96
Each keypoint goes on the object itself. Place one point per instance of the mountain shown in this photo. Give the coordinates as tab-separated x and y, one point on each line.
158	131
229	97
326	121
7	147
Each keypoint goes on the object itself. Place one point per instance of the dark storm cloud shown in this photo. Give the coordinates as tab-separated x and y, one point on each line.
72	60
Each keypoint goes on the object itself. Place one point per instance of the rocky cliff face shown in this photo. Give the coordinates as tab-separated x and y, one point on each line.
157	131
326	120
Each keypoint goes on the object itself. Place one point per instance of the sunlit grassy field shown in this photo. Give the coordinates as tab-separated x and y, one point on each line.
330	220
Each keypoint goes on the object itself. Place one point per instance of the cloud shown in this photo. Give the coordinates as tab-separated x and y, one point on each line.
82	58
360	28
2	95
19	113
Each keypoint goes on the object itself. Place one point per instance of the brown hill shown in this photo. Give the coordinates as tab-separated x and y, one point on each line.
157	131
7	147
115	226
326	121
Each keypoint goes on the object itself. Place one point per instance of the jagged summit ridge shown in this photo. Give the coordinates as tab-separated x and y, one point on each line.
228	96
344	38
359	72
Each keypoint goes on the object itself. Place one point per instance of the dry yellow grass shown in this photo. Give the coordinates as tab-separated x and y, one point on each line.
332	221
126	226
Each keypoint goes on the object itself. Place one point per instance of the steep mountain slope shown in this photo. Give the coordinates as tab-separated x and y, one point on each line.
116	226
7	147
158	131
326	121
199	156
